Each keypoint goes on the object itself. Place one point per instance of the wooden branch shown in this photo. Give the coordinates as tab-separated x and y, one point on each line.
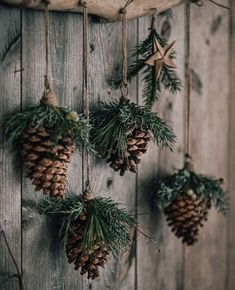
106	9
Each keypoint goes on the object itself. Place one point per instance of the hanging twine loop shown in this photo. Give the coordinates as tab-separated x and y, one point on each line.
87	195
48	97
153	19
124	87
188	79
189	165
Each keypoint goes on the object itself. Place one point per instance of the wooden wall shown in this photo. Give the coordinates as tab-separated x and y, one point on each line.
210	264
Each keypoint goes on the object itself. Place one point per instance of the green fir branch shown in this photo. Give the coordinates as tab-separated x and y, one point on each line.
106	222
55	118
204	186
152	87
113	121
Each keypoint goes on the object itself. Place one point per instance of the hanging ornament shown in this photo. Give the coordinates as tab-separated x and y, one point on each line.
122	129
155	57
46	135
92	229
186	196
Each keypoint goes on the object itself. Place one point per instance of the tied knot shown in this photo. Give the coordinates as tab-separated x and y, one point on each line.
189	165
48	97
87	194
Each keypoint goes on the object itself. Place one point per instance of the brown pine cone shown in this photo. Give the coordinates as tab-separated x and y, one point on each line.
88	261
46	161
186	214
137	144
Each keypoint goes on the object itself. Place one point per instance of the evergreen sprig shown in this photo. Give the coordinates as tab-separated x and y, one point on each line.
152	86
54	117
203	186
106	221
113	121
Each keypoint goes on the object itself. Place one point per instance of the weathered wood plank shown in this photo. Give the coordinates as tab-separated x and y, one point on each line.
161	270
105	40
205	262
10	190
41	236
231	217
103	8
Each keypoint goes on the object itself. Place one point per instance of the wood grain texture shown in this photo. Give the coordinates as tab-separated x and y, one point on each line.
105	56
209	264
205	264
10	190
161	270
106	9
230	278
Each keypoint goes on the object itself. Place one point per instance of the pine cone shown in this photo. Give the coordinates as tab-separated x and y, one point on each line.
137	144
186	214
46	161
88	261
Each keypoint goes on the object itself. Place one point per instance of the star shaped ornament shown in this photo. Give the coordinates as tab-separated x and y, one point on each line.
161	57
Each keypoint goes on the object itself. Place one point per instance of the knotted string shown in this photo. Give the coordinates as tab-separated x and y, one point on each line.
188	159
48	97
124	86
86	187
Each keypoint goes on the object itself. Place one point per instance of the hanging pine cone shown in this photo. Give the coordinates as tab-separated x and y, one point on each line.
46	135
88	261
122	131
186	198
92	229
46	162
137	144
186	214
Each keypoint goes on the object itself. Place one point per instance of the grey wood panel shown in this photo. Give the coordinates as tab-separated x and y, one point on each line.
161	271
230	278
40	236
10	190
205	264
105	55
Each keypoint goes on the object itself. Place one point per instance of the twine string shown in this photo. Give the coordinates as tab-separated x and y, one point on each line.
47	86
124	87
188	78
86	159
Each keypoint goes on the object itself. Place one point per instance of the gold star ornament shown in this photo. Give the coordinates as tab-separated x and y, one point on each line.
161	57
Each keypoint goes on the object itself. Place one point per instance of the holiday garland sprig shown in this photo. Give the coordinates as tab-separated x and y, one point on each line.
186	198
46	136
123	130
168	77
203	186
91	229
106	222
61	120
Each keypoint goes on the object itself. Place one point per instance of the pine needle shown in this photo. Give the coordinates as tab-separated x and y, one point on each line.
51	117
204	186
113	121
106	221
152	87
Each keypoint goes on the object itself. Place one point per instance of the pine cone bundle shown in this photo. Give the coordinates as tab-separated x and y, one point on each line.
45	160
186	214
137	144
88	261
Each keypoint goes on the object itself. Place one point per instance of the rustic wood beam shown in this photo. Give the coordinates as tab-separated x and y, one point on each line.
106	9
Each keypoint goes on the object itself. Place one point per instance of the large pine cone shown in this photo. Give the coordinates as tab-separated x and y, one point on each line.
186	214
88	261
137	144
46	161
